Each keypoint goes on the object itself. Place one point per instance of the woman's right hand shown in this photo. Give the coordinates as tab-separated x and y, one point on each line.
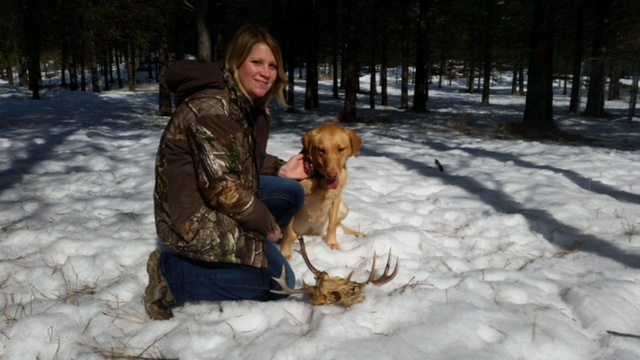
294	168
275	236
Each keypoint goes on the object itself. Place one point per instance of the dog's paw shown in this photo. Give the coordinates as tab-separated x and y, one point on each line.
350	231
287	253
335	246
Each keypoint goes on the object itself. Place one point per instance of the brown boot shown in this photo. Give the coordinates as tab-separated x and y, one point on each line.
157	297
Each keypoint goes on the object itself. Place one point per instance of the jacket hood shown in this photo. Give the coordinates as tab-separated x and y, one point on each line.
186	77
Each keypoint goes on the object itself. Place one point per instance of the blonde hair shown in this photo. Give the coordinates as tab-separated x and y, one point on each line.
239	49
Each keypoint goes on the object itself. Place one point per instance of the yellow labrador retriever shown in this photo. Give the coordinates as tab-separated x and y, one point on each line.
326	151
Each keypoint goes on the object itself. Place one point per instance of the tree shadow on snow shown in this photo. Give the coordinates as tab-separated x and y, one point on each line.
540	221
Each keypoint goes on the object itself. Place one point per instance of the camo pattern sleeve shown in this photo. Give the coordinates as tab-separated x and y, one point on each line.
227	176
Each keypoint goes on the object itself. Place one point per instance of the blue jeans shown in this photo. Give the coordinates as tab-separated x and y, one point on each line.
191	280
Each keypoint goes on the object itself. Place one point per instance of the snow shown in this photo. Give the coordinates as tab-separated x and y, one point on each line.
519	249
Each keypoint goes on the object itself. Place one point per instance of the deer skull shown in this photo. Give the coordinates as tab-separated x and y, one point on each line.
335	290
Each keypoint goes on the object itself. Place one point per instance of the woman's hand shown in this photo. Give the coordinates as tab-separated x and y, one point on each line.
294	168
275	236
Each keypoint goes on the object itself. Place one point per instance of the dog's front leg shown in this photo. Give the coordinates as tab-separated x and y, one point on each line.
342	214
288	238
334	222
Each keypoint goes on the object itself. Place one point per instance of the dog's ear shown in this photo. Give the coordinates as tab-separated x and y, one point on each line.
356	143
307	142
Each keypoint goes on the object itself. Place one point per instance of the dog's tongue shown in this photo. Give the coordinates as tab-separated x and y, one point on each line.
334	185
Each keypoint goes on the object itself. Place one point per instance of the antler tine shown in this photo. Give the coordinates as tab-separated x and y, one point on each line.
303	252
351	274
286	290
385	277
372	276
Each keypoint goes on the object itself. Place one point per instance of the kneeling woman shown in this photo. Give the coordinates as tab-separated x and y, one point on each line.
220	200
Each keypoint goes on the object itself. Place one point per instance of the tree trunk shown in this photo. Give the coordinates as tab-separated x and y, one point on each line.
351	76
64	62
565	77
384	63
73	75
105	71
118	72
421	92
291	78
204	36
32	42
149	68
597	75
472	78
110	61
74	57
10	76
335	50
384	91
23	72
311	91
95	76
290	54
488	58
442	69
82	54
576	78
372	65
538	111
9	71
614	82
521	80
404	84
131	67
83	75
220	22
164	101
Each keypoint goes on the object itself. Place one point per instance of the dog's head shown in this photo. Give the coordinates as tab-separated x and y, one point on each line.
328	148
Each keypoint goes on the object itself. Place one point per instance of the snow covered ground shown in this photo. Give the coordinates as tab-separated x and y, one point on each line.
517	250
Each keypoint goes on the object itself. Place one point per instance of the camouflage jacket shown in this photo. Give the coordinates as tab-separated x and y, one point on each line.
211	154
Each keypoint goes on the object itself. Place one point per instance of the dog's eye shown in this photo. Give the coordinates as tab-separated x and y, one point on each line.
341	150
322	151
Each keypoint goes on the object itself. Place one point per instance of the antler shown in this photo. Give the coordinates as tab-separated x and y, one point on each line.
385	277
335	290
305	257
286	290
282	280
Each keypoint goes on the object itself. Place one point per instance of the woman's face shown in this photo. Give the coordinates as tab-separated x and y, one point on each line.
259	71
